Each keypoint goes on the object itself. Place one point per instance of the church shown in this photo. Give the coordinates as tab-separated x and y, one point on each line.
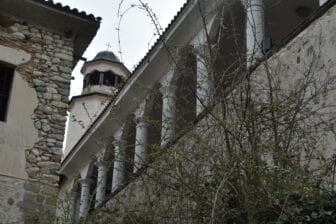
128	126
232	94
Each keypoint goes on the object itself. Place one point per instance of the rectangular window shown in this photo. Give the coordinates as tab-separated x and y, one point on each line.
6	79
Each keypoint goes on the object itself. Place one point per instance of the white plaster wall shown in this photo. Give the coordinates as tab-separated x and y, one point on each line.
110	90
18	132
83	113
12	193
312	52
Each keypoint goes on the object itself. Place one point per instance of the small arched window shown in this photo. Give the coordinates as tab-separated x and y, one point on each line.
94	78
109	79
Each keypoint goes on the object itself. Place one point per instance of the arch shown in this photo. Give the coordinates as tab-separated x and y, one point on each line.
153	116
73	198
94	177
185	80
128	136
229	51
90	171
111	79
92	79
214	27
107	154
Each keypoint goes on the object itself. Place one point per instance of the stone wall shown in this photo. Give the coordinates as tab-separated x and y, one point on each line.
11	193
48	74
83	112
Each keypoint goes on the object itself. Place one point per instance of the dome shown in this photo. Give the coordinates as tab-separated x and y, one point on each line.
108	56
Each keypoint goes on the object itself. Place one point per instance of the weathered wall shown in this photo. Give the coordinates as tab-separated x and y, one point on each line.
32	137
84	111
11	193
315	46
22	102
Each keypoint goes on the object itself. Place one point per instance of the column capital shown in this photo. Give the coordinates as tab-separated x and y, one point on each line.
202	49
119	133
251	3
167	90
140	110
73	195
141	121
101	164
118	142
139	114
86	181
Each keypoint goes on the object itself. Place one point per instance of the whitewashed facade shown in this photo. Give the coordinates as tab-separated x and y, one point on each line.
116	145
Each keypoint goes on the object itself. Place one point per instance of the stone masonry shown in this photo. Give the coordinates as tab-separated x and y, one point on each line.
49	74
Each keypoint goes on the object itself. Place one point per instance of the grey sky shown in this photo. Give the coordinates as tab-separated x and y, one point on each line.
136	29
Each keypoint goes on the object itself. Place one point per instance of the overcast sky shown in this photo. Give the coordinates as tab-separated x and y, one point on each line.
136	29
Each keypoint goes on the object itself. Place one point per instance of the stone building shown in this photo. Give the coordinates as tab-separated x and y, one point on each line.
173	87
40	43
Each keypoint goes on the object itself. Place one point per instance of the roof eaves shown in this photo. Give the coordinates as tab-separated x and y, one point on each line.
318	13
161	38
144	59
86	95
99	60
67	9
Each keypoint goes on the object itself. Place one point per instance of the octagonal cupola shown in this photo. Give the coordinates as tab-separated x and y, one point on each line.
104	74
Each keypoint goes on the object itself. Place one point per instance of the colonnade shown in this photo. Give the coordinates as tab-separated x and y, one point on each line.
168	92
255	32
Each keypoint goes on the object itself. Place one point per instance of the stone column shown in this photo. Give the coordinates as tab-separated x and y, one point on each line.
168	91
119	164
71	217
85	196
101	181
140	142
204	80
255	31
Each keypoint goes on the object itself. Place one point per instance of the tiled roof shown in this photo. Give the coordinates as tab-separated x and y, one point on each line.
162	36
67	9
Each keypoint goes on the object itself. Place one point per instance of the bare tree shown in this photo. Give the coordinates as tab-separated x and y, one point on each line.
259	153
